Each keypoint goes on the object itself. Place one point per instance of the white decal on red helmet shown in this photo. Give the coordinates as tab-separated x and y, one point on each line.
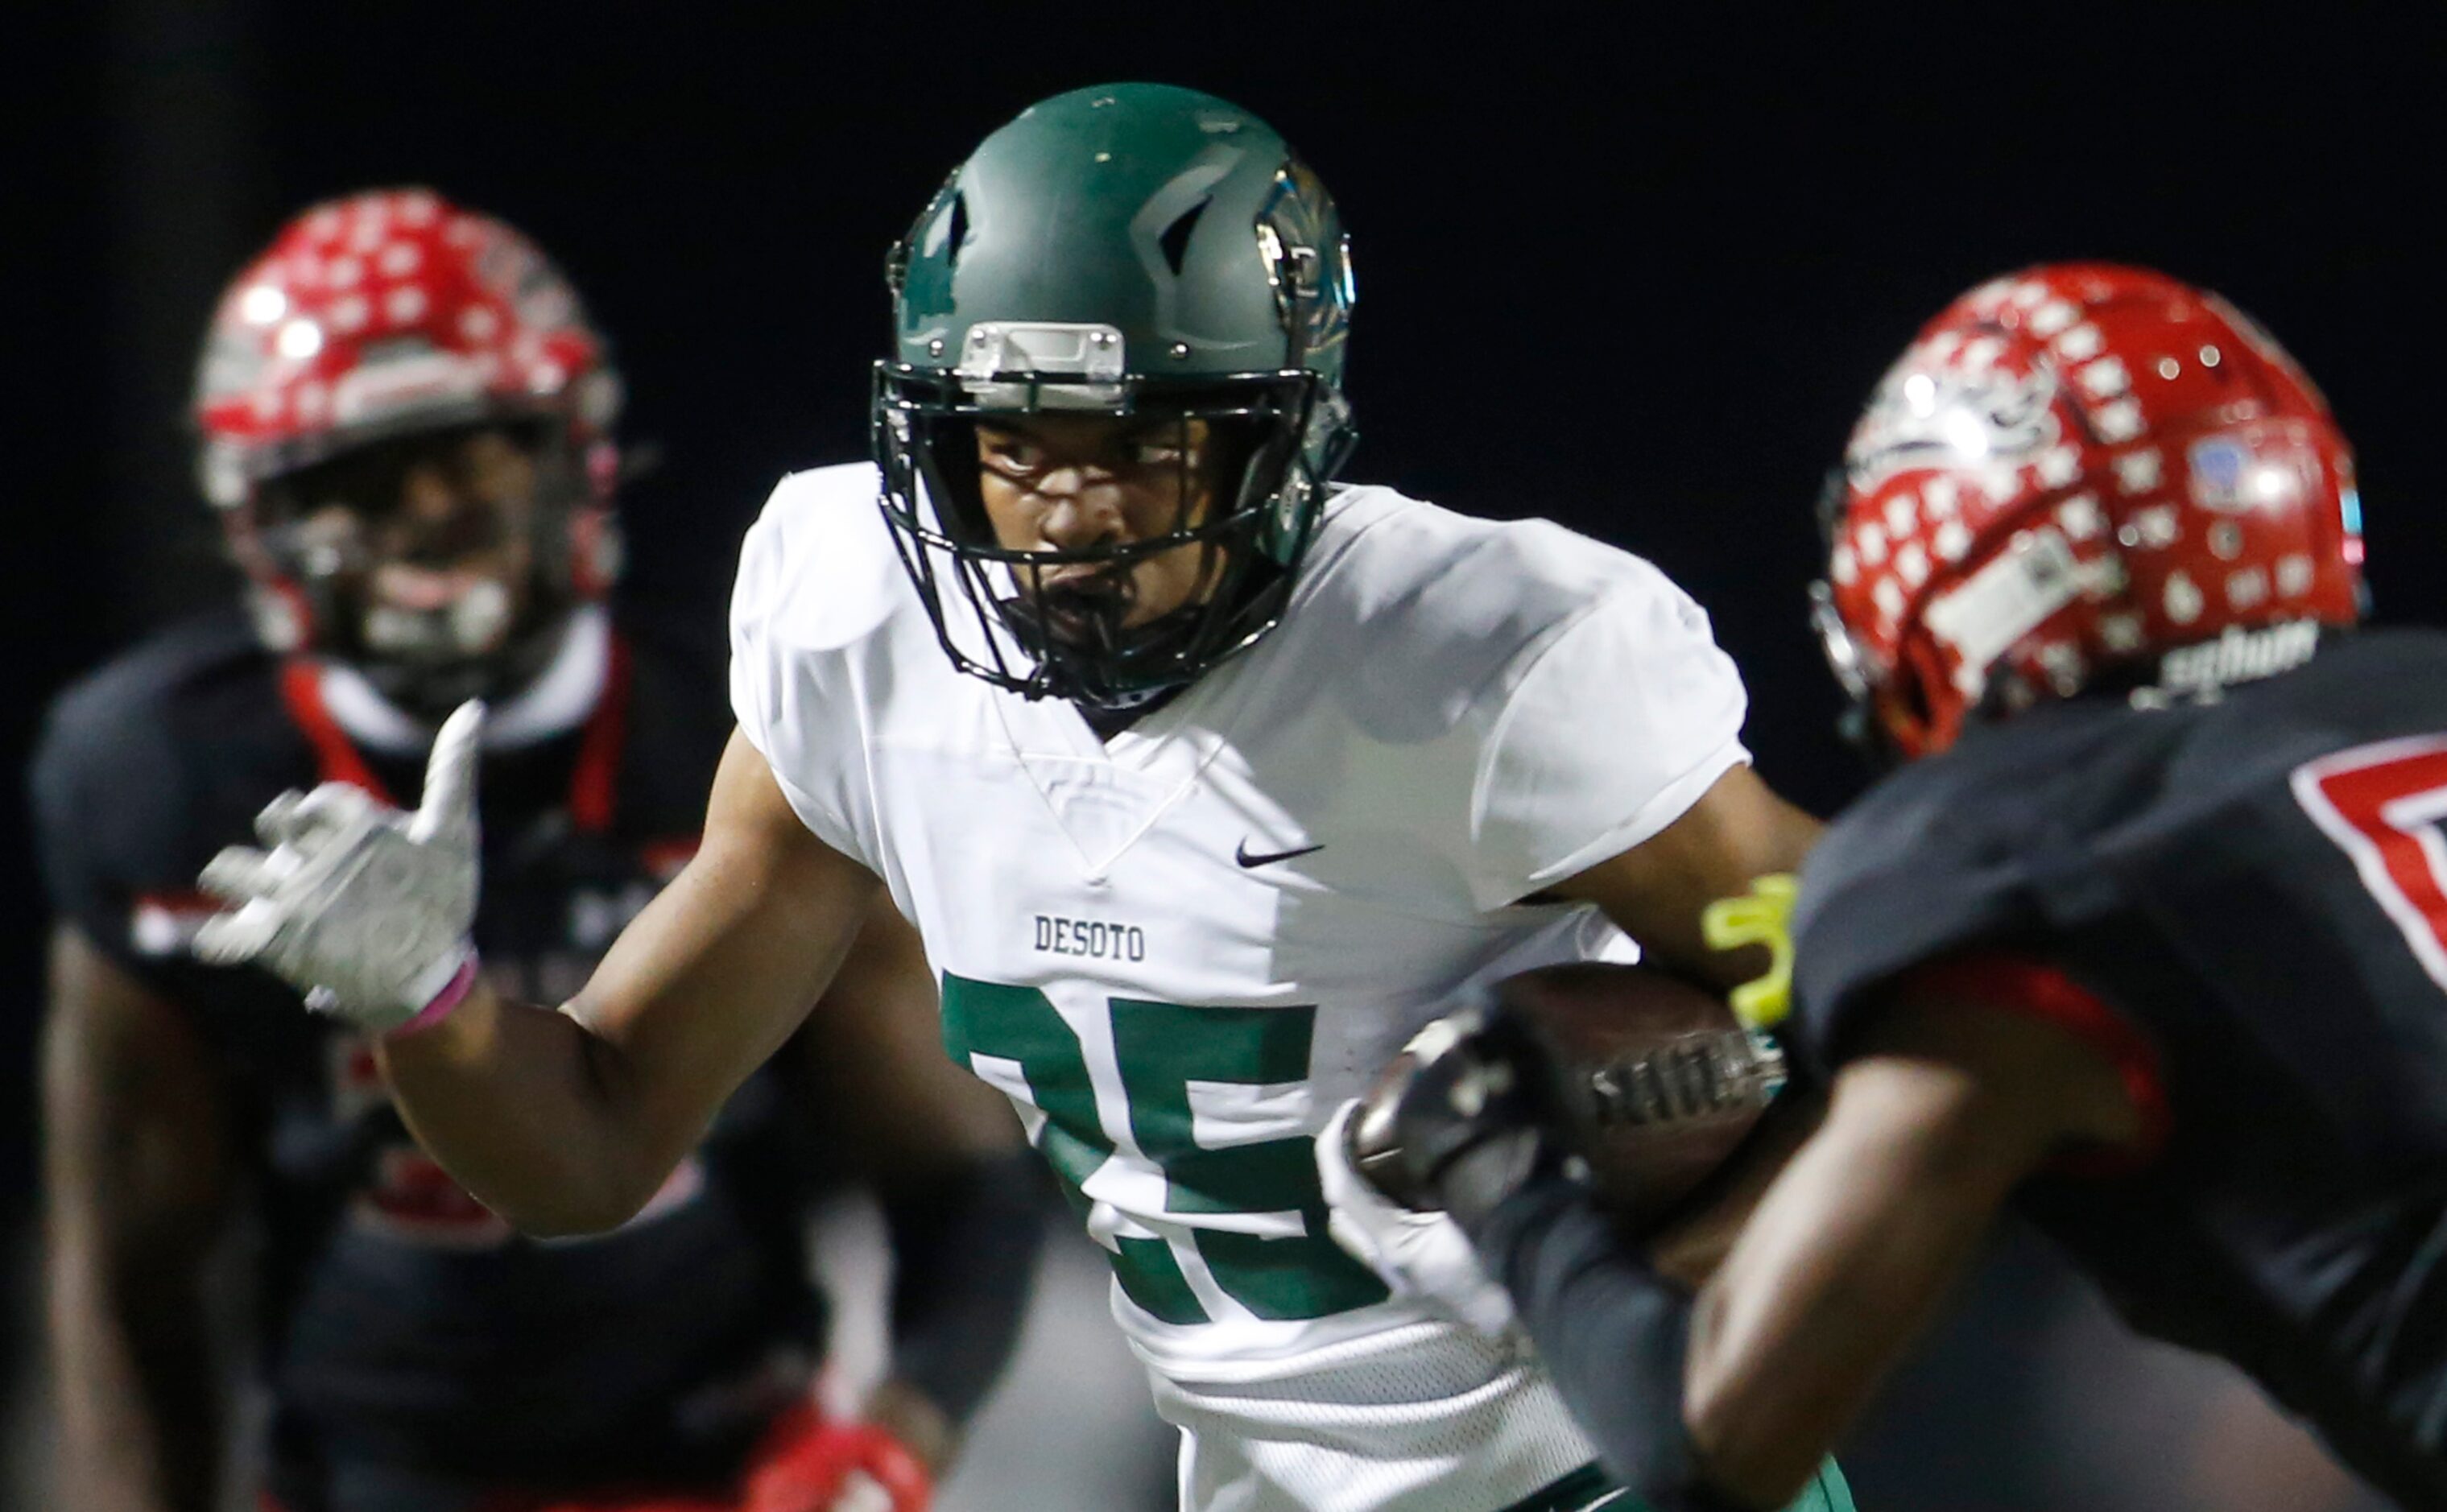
2119	422
2137	472
1911	564
2105	378
1981	618
2154	528
2058	467
2184	599
2080	344
2053	316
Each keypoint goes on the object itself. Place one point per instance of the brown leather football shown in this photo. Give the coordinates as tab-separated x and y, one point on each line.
1654	1081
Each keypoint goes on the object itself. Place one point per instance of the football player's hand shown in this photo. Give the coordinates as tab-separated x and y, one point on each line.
1459	1121
810	1463
1420	1255
364	908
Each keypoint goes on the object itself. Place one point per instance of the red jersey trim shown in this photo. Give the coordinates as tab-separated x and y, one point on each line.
335	756
2043	991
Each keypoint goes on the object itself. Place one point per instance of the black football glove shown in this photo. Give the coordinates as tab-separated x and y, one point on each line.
1465	1120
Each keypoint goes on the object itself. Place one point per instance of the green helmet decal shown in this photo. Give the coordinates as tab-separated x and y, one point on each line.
920	271
1302	240
1134	250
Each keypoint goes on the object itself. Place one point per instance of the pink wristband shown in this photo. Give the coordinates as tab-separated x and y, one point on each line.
453	993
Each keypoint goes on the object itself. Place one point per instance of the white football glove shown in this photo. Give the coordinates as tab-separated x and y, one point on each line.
363	908
1421	1255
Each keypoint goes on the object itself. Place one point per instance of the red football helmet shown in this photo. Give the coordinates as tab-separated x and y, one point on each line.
380	317
2081	474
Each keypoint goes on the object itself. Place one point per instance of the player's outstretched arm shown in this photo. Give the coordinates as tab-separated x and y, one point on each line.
136	1183
567	1121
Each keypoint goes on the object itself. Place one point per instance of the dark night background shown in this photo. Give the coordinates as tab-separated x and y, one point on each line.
1629	267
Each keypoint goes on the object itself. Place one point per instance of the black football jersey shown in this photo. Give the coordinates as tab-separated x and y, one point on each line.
2259	886
399	1319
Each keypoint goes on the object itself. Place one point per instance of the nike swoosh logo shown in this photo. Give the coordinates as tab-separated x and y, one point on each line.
1268	858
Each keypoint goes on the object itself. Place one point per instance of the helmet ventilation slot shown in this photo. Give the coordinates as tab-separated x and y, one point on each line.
1175	239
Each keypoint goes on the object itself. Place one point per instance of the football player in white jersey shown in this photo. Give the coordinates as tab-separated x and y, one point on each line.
1207	782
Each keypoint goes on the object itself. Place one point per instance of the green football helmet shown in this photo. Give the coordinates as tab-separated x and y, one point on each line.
1139	251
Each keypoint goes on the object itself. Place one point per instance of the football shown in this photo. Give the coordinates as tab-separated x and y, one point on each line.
1656	1082
1653	1080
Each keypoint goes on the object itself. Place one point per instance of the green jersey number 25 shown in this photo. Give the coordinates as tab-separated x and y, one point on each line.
1161	1049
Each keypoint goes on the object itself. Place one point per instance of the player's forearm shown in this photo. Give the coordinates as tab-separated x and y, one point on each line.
529	1111
135	1184
964	1252
1658	891
140	1426
1615	1337
1850	1253
1690	1250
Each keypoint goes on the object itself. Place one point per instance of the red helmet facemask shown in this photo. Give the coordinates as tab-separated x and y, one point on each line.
2077	477
405	417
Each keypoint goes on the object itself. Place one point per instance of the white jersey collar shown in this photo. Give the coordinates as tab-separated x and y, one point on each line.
556	703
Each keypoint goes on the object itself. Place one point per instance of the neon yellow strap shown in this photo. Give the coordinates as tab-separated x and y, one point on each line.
1761	917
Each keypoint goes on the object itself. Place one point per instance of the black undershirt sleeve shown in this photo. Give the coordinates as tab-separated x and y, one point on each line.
964	1255
1614	1335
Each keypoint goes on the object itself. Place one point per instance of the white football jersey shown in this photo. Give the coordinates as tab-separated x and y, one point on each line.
1179	949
